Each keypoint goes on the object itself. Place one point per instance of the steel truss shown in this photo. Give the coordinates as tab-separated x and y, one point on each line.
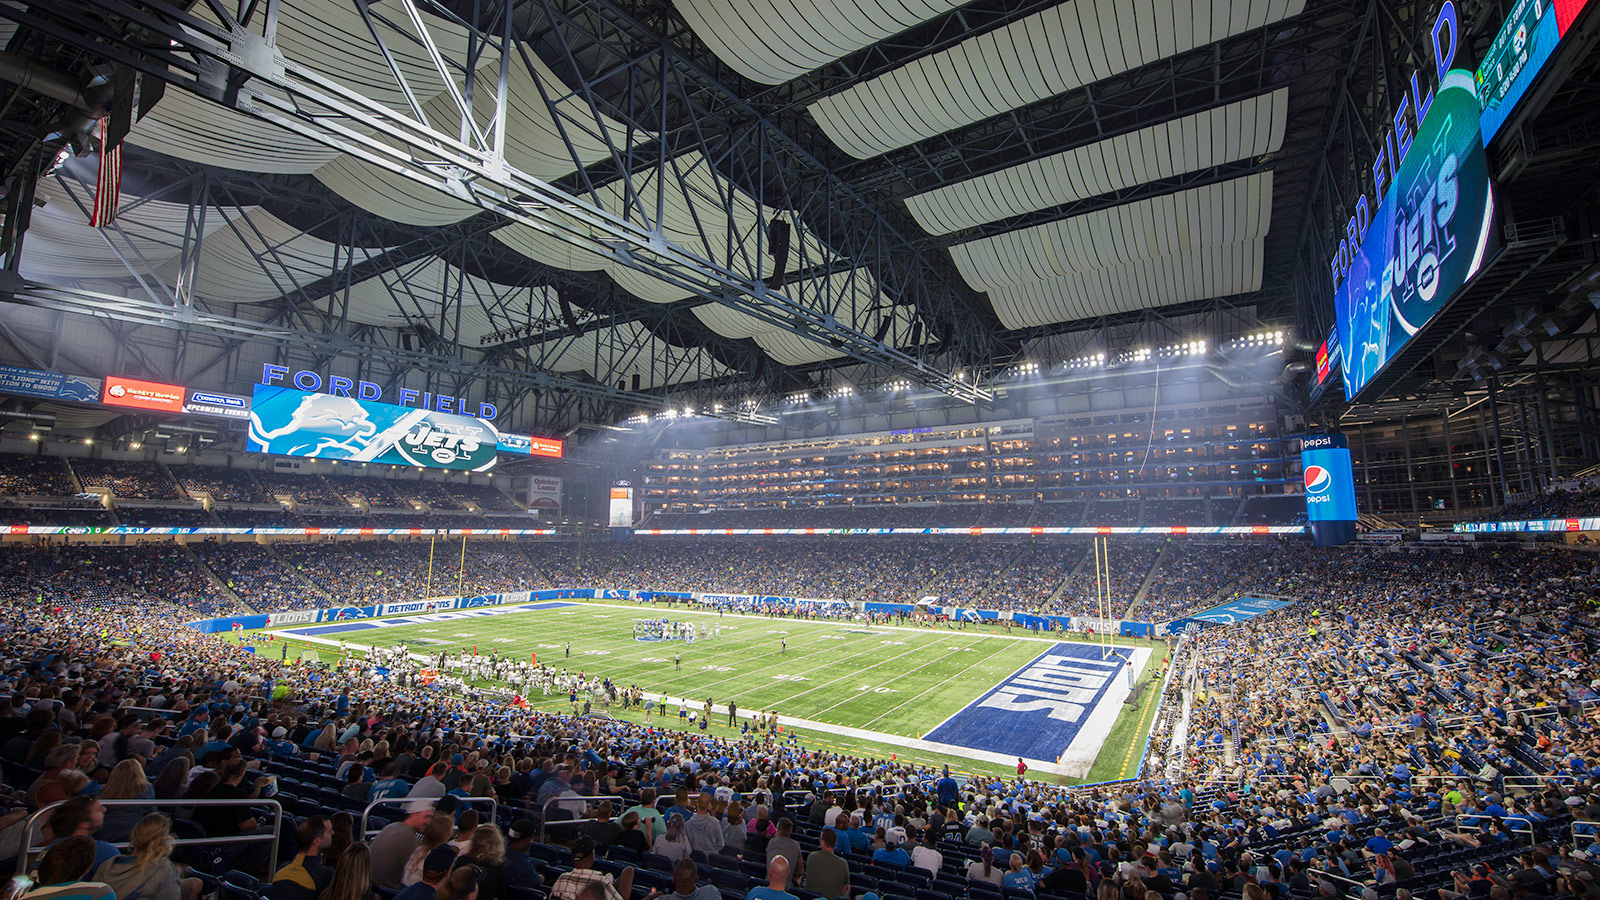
310	325
238	64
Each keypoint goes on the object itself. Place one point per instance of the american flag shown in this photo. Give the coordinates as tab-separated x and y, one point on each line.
107	187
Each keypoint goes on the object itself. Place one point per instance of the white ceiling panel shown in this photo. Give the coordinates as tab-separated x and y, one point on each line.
329	37
773	41
1168	225
1162	281
61	245
1237	131
1048	53
260	257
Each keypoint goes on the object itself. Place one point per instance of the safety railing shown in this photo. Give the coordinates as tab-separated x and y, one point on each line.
366	814
25	855
544	811
1470	823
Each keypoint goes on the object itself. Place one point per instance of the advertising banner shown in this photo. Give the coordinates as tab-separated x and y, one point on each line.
48	385
621	510
222	406
530	445
136	394
1428	236
289	422
1330	485
544	492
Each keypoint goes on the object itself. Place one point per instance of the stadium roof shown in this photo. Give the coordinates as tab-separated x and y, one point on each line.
586	195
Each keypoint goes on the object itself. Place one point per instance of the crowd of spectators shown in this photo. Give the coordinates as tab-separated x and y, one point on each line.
305	490
1273	509
108	574
165	516
126	480
92	514
34	476
258	576
1191	573
221	484
375	493
1578	499
1418	726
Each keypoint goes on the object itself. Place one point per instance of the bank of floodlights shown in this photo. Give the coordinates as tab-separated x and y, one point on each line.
1187	348
1260	339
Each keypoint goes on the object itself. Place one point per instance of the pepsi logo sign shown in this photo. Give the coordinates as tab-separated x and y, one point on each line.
1318	479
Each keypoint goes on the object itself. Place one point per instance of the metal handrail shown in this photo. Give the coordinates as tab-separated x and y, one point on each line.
544	817
494	807
1593	833
1510	823
277	826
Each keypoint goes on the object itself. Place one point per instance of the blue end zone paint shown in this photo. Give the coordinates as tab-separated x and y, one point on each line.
1038	710
453	615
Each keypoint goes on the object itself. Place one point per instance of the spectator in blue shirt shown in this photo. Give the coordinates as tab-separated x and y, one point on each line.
777	880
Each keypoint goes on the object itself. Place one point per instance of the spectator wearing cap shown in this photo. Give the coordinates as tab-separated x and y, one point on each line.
520	871
397	841
571	885
435	868
304	877
891	855
62	870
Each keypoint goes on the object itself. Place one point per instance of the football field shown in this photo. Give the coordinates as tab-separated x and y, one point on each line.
980	697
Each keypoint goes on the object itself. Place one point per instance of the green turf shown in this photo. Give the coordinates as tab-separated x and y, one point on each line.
895	681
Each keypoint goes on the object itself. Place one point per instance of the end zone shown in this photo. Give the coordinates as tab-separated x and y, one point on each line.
1062	704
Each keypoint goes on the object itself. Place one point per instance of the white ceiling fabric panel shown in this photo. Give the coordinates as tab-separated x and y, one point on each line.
329	37
1237	131
413	295
695	217
62	245
544	246
772	41
228	270
1196	275
851	297
534	144
1048	53
1168	225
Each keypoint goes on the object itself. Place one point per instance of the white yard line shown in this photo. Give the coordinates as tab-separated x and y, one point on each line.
925	693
